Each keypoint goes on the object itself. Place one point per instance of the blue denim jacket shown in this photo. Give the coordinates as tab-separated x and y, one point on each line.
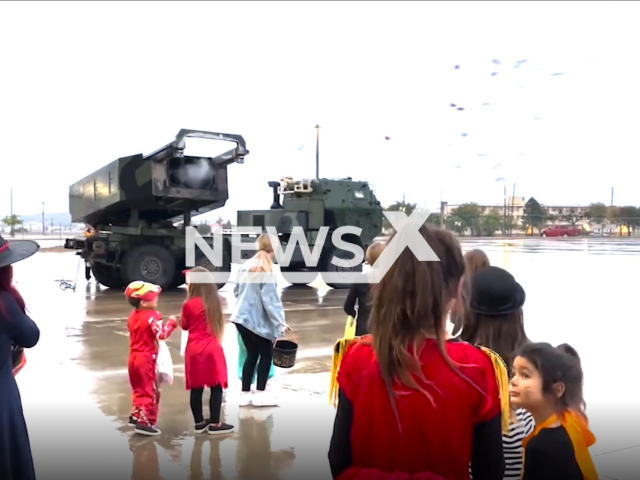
258	307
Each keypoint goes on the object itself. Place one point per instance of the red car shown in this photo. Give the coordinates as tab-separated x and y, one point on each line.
561	231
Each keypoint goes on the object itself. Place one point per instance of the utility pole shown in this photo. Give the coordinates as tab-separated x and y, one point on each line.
612	196
504	215
43	218
511	215
318	151
12	230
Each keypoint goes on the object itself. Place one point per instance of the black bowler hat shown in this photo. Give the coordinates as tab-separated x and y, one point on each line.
494	291
16	250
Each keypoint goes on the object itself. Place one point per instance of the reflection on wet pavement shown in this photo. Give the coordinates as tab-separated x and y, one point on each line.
77	397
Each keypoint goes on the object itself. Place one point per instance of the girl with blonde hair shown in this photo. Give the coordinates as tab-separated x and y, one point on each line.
259	318
204	361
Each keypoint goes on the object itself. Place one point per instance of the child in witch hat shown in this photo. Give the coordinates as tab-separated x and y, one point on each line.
17	331
145	330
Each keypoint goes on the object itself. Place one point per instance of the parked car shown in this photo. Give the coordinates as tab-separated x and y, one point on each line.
561	231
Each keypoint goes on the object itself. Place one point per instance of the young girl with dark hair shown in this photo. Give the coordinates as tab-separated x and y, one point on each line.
411	403
547	381
495	320
204	362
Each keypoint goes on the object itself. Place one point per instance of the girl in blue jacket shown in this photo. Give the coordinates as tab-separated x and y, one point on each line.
259	317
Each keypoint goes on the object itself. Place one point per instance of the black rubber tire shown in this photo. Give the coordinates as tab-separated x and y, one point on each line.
203	261
178	280
149	263
308	276
108	276
327	266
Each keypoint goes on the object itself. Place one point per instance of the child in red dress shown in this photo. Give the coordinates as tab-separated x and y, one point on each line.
204	361
145	330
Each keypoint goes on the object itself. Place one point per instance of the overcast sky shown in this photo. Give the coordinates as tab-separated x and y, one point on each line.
82	84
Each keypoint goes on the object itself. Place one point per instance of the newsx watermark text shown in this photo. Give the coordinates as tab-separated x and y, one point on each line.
407	235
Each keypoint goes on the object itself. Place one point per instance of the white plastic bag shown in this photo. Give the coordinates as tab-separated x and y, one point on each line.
164	363
183	341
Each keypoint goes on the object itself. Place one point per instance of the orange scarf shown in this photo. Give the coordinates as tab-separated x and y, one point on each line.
581	437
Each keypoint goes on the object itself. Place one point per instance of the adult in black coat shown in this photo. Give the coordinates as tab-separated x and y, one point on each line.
17	331
359	294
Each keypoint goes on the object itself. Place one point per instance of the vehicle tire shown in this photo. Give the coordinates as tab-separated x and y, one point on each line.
565	235
107	275
178	279
149	263
301	277
544	234
329	267
203	261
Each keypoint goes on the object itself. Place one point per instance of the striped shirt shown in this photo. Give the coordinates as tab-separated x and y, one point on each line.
512	445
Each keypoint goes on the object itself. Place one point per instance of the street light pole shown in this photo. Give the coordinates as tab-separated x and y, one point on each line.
318	151
42	218
12	230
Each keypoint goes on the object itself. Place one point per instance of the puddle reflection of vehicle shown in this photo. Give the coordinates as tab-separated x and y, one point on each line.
255	459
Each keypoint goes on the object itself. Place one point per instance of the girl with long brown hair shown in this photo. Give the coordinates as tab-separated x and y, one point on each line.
412	403
204	361
475	260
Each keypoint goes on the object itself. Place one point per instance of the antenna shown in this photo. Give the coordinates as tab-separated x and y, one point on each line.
318	152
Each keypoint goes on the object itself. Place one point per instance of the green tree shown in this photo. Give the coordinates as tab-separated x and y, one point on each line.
629	217
434	219
405	207
597	213
455	224
491	222
534	215
12	221
571	217
469	214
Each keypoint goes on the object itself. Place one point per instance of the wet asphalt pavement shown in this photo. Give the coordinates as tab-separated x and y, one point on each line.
76	393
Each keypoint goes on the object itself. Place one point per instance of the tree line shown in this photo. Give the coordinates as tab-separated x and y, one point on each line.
470	217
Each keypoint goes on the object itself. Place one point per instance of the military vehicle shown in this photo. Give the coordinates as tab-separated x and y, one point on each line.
310	205
132	205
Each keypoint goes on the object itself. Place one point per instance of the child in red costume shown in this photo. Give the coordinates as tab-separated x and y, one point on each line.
145	330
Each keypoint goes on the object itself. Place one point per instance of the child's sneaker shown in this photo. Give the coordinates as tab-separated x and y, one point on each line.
264	399
146	429
246	399
202	426
133	420
221	429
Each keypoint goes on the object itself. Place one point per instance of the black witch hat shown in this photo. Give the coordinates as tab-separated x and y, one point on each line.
494	291
16	250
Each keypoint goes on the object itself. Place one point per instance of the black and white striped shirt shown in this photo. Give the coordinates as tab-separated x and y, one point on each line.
512	445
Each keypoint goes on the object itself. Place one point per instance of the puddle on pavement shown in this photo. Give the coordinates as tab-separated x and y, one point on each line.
76	393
